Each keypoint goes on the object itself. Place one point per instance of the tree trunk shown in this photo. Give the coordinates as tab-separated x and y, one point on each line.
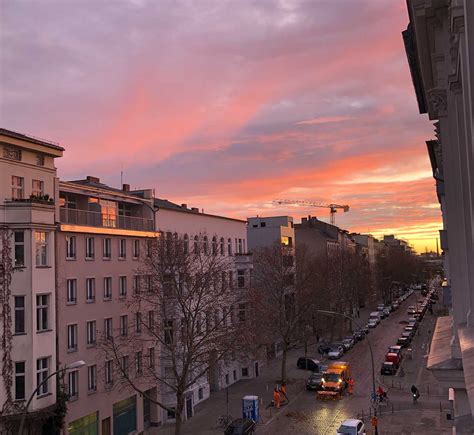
179	412
283	362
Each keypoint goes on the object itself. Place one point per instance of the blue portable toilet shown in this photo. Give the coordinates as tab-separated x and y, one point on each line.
250	408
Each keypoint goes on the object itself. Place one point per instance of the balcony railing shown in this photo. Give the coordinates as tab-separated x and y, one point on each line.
104	220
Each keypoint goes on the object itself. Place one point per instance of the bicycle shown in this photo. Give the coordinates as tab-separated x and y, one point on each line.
224	420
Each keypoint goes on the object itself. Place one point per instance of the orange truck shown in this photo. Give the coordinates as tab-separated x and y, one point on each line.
335	380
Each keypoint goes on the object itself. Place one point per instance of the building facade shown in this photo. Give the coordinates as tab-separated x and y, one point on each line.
439	43
28	186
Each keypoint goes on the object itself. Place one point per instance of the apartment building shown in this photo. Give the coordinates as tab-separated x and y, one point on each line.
27	268
264	231
103	234
227	237
439	44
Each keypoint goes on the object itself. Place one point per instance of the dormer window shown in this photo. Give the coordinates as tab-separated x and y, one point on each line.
39	160
12	153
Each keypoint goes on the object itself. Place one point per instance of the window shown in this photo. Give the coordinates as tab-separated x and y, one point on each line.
136	283
151	320
138	363
136	248
73	384
37	187
20	380
231	279
107	248
42	373
42	313
41	247
214	245
196	244
235	375
108	331
242	310
168	332
227	378
90	289
124	366
222	246
148	248
286	241
70	247
17	187
91	332
151	357
39	160
245	371
90	248
148	283
108	287
20	315
92	378
138	323
11	153
186	244
109	213
240	246
200	393
72	337
206	245
124	325
19	248
122	286
241	278
122	248
229	247
71	289
109	373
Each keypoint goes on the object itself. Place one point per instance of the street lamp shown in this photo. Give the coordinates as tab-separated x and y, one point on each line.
368	341
72	366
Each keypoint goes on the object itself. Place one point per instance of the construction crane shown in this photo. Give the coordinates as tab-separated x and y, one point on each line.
332	207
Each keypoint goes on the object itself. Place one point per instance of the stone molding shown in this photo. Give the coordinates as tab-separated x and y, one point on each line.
437	102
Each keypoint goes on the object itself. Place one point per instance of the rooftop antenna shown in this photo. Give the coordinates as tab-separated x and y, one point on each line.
121	174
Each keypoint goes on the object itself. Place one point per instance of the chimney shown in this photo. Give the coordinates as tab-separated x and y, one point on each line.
304	220
93	179
184	205
195	209
126	187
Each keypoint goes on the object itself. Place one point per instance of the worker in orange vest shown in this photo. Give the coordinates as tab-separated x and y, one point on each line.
351	385
283	391
276	398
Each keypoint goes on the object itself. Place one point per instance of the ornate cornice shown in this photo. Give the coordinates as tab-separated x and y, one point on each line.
437	102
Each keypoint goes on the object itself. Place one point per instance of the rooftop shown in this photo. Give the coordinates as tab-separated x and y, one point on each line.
32	139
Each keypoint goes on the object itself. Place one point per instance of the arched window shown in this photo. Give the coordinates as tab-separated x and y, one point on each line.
214	245
222	246
186	244
229	246
196	244
206	245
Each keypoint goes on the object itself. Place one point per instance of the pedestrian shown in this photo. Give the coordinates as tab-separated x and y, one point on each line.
415	392
283	391
276	398
375	424
351	386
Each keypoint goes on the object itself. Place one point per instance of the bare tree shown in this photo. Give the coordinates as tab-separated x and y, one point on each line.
185	310
282	296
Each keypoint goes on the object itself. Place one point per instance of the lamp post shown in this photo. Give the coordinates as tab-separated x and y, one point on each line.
72	366
368	341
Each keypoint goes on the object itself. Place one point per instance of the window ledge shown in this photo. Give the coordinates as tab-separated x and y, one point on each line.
44	330
19	268
106	258
43	267
90	258
71	303
90	301
91	392
107	299
122	296
19	333
70	258
91	345
109	386
72	350
73	399
122	258
42	396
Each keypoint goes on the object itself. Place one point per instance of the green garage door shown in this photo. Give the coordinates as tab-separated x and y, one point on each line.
87	425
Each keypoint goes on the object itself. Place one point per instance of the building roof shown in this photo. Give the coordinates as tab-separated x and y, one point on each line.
32	139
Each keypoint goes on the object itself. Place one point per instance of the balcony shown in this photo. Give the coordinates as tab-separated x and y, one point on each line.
103	220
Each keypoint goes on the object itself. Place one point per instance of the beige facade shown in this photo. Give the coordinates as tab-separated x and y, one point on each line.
27	220
440	48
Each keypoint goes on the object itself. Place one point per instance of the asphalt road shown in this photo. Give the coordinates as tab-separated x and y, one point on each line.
305	414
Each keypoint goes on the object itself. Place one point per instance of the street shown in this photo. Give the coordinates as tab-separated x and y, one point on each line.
307	415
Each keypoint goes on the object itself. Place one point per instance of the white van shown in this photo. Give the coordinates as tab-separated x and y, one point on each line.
375	315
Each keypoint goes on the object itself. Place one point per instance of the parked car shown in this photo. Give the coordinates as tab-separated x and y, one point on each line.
347	343
395	305
240	426
314	381
309	364
393	358
388	368
359	334
380	307
351	426
372	324
336	352
411	310
366	329
408	335
403	341
412	321
324	348
387	312
375	316
396	349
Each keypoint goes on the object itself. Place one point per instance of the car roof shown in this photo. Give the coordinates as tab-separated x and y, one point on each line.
351	422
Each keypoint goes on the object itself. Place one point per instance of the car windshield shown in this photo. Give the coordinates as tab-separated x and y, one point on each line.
316	377
346	430
332	377
334	349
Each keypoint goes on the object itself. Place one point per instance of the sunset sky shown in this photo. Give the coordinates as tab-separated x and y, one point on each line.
226	105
